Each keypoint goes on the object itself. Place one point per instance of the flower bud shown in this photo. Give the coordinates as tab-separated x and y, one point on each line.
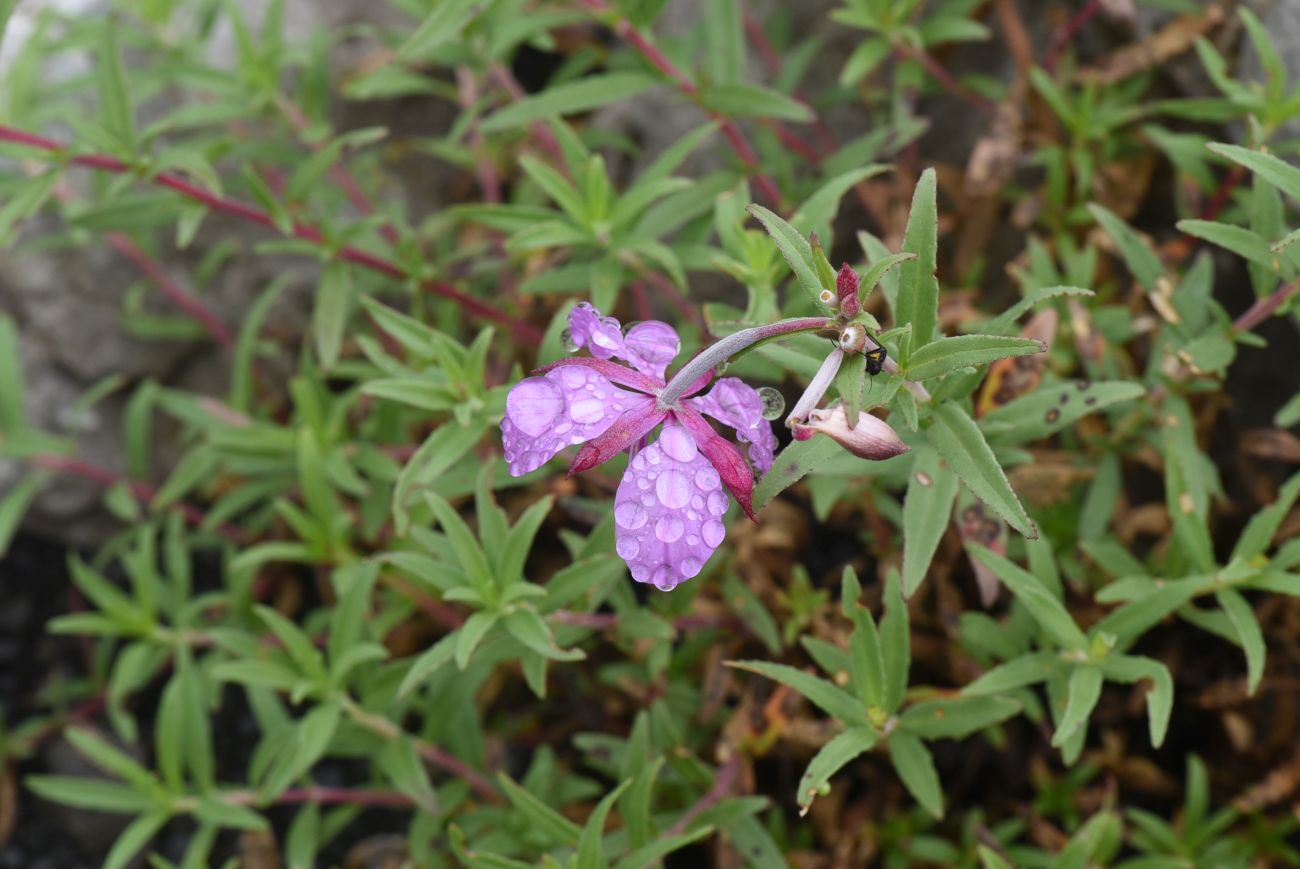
872	438
846	284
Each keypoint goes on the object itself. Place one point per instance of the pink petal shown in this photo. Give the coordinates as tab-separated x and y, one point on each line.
634	424
734	402
668	511
611	371
651	346
603	336
723	455
565	406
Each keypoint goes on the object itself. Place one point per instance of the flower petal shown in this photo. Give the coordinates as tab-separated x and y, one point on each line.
603	336
668	510
634	424
650	346
734	402
723	455
565	406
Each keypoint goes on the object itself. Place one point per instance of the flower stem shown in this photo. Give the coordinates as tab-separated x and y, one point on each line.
729	346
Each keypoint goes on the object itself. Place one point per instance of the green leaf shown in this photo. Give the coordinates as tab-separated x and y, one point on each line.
470	634
1279	173
1049	612
927	508
947	354
959	440
651	853
1138	255
581	95
591	855
1160	699
895	642
818	211
110	759
114	103
24	202
1054	407
330	312
1017	673
138	833
724	34
1262	527
918	286
743	99
796	250
915	767
89	793
832	700
540	817
442	25
878	269
526	626
956	717
1134	618
831	758
469	552
294	640
1083	692
12	415
791	465
440	451
14	504
1246	624
1042	294
1236	239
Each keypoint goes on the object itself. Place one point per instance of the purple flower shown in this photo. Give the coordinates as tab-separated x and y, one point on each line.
669	506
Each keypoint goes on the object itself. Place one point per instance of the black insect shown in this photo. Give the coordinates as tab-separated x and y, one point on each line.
875	359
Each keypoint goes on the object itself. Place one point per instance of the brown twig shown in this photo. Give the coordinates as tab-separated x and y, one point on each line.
524	330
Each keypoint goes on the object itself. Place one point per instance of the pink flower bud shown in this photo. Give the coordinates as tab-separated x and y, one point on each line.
846	283
872	438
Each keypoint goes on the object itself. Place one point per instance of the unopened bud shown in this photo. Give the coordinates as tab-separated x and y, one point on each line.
872	438
846	284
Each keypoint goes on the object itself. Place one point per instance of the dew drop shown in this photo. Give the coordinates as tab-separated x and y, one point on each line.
627	548
689	567
713	533
569	342
773	402
721	368
669	529
630	515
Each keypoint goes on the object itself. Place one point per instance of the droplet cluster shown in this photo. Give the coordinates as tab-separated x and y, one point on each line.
570	405
668	511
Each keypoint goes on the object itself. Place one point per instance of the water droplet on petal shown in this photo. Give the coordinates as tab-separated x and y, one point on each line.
669	529
713	533
673	488
689	567
627	548
773	402
630	515
569	342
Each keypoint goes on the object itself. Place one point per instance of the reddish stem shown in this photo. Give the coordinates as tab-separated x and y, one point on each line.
1265	307
1067	33
656	58
175	293
523	330
723	781
541	132
142	492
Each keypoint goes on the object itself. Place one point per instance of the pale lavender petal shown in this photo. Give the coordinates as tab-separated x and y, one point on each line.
603	336
734	402
651	346
565	406
668	511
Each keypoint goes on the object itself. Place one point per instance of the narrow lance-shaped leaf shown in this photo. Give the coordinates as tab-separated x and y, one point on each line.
948	354
931	491
1160	699
915	767
796	250
1049	612
959	440
1082	694
831	759
918	289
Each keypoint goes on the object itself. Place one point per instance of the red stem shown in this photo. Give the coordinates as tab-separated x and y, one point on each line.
1265	307
186	303
723	781
656	58
142	492
523	330
1067	33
